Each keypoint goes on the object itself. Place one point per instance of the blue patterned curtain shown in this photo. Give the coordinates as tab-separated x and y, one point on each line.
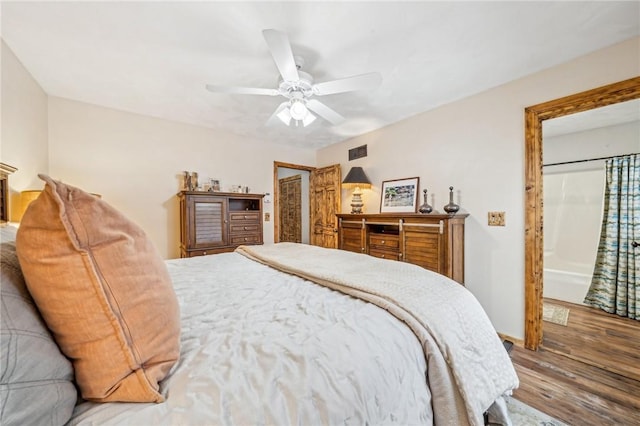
615	286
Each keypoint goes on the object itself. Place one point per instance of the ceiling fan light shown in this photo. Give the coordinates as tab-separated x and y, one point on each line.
298	110
310	118
285	116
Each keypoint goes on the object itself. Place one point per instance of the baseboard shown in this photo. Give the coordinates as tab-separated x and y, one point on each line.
517	342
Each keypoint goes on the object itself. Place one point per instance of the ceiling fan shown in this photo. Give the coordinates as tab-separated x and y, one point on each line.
298	87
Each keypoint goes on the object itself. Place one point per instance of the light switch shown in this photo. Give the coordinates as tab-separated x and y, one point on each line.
496	218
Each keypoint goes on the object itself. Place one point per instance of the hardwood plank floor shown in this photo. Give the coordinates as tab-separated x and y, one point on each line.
597	338
587	373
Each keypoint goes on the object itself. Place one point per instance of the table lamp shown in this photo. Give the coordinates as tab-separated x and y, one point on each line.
357	179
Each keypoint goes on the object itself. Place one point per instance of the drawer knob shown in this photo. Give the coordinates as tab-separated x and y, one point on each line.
245	238
382	242
245	228
204	252
382	256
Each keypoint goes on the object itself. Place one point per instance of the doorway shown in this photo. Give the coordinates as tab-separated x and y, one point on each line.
534	249
288	223
322	203
575	149
292	218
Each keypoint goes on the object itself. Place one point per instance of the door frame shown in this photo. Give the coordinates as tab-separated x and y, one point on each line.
533	232
276	194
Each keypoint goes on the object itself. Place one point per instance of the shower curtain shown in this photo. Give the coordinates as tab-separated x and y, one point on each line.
615	286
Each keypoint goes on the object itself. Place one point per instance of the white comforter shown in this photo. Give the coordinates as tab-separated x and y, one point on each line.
263	347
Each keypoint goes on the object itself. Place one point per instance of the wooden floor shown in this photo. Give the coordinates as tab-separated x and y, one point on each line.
587	373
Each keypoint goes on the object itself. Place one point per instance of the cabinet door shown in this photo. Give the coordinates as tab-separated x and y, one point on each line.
207	217
424	246
351	238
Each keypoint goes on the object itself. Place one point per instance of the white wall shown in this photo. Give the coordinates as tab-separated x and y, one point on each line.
135	162
24	141
617	139
477	145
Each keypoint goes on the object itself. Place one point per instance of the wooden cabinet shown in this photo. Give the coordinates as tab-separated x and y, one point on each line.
217	222
433	241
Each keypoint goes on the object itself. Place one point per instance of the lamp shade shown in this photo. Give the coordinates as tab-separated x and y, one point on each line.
356	177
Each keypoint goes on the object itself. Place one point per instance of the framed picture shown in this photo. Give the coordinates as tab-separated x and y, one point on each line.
399	196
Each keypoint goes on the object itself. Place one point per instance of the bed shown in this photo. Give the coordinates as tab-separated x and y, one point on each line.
274	334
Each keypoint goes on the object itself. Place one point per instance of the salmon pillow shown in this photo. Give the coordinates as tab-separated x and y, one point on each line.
104	292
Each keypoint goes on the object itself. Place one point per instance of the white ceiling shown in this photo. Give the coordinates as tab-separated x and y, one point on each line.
155	58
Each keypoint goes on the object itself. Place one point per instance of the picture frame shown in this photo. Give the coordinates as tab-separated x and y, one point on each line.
214	185
399	195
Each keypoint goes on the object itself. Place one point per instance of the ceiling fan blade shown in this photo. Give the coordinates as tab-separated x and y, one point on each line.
325	112
242	90
274	119
280	47
357	82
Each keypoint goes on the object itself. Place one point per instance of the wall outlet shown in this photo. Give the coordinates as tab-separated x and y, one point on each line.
496	218
267	217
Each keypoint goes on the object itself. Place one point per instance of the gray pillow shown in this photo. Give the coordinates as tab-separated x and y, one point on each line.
36	379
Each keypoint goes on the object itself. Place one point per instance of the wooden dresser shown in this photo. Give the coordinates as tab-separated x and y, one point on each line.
217	222
433	241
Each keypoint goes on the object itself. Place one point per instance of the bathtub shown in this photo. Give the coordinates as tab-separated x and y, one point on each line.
565	285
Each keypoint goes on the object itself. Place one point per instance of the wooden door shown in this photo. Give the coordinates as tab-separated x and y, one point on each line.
325	204
290	208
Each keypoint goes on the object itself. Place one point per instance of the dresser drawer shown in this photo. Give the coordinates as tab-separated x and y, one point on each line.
244	216
241	228
384	254
246	239
205	252
389	241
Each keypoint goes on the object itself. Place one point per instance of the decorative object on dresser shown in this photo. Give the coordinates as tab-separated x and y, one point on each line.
425	207
435	242
451	207
190	181
186	178
217	222
399	196
194	181
357	179
214	185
